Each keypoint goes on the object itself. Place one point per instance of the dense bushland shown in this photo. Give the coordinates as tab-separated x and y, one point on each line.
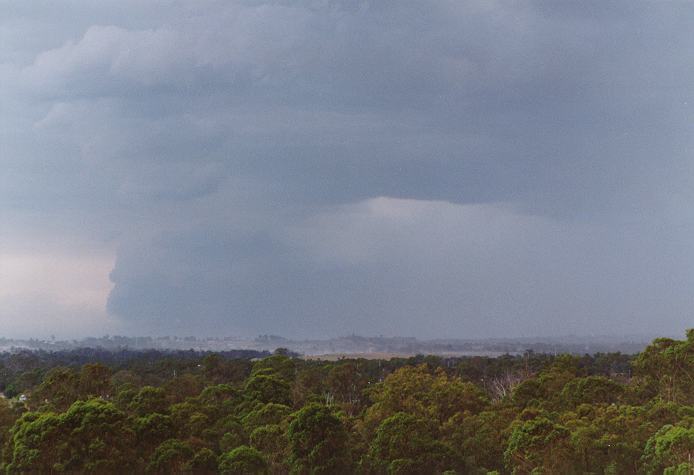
188	412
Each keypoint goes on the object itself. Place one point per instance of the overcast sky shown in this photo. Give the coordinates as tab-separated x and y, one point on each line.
317	168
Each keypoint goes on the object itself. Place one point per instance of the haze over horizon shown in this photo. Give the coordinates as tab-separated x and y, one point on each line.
308	169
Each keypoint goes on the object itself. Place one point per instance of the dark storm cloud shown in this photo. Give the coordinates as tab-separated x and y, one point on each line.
327	167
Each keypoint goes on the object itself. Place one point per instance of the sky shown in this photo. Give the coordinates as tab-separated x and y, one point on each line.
316	168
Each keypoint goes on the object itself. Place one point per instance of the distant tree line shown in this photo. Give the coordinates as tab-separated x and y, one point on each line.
94	411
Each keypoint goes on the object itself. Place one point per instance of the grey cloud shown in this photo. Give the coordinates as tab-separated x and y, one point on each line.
233	152
388	266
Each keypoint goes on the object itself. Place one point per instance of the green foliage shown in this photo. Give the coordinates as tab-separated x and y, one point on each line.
591	390
232	433
151	430
405	443
346	382
95	380
538	444
91	436
11	391
528	393
670	365
170	457
203	463
318	442
479	439
415	390
278	365
685	468
268	438
268	389
270	413
672	447
219	370
272	441
59	389
183	387
218	394
207	413
309	385
148	400
243	460
230	440
125	377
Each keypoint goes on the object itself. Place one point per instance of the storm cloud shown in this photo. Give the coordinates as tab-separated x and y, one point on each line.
317	168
